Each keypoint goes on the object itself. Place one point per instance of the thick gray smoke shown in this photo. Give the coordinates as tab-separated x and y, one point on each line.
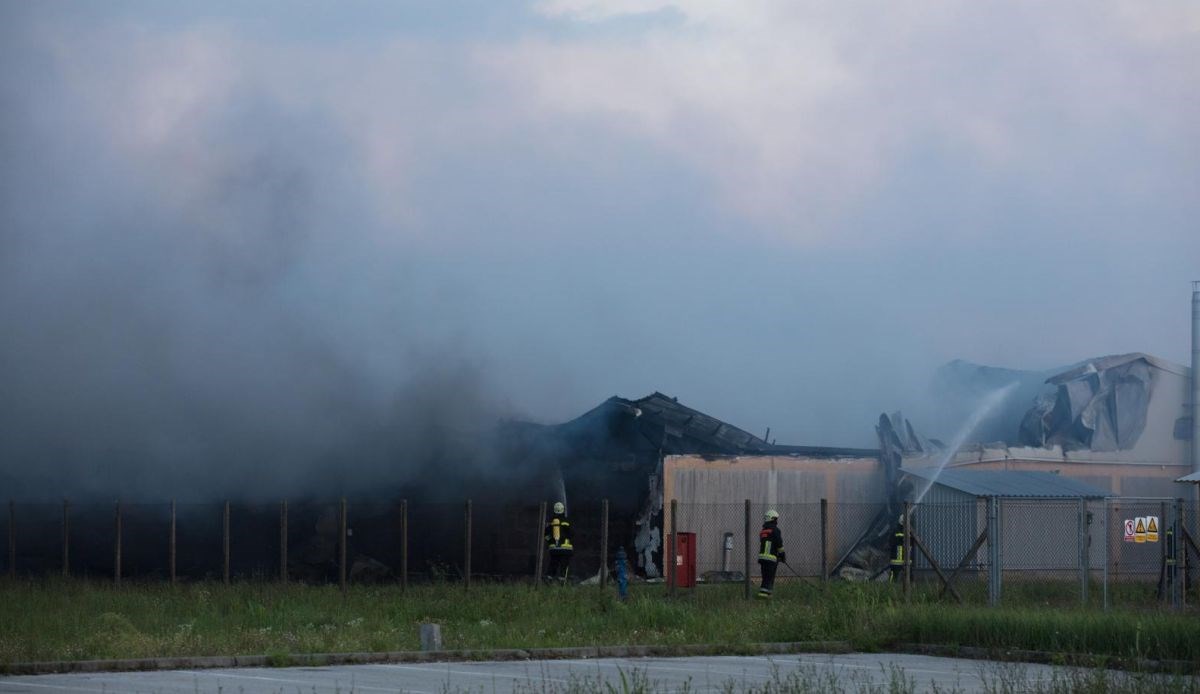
249	250
208	317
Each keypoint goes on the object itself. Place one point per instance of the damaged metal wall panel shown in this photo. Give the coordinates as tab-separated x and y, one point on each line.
1109	404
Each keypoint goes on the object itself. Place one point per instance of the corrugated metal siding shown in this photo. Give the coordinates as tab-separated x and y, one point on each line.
721	486
941	494
1009	483
947	521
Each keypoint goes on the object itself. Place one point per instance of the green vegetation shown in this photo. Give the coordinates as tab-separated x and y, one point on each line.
72	620
812	679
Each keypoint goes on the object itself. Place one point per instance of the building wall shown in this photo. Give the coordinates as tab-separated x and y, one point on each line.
1119	479
1168	403
711	495
771	479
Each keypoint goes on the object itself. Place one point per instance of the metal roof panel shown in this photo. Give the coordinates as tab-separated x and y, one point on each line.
1009	483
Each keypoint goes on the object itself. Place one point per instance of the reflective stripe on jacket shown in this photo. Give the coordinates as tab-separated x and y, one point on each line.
558	535
898	542
770	542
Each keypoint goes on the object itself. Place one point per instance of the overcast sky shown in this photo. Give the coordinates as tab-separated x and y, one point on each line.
230	227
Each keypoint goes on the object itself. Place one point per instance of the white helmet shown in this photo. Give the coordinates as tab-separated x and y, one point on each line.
771	515
559	507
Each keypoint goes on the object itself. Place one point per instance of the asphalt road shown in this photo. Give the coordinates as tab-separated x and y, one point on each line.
853	672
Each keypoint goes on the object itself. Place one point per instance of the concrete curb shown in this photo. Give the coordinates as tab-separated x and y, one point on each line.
319	659
1014	655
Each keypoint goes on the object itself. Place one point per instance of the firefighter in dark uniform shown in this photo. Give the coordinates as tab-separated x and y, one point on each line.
896	569
558	543
770	552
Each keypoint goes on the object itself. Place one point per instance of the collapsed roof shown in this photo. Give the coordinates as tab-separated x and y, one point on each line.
654	426
1100	404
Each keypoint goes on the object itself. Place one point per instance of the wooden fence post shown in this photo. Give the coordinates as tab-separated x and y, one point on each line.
404	544
746	539
467	546
671	570
66	539
344	535
283	541
171	547
225	540
603	544
824	540
541	545
12	539
117	547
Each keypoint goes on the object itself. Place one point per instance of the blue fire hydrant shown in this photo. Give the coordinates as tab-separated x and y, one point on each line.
622	579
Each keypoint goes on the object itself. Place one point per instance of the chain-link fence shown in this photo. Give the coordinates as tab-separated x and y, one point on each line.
1119	552
1055	551
1188	551
949	545
309	541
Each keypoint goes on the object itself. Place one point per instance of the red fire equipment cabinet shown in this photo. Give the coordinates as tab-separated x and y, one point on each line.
684	571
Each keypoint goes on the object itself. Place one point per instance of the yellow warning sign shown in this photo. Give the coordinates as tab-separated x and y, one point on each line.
1151	528
1139	532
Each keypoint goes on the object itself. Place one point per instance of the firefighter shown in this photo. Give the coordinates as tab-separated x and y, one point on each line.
770	552
622	574
896	569
558	542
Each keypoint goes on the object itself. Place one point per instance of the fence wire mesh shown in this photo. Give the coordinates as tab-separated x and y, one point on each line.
721	539
1040	551
1044	550
1141	566
955	535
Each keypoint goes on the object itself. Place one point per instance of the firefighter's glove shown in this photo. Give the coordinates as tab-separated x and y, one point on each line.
783	557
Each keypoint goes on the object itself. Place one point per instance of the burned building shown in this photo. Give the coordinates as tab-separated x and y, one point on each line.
1119	422
616	451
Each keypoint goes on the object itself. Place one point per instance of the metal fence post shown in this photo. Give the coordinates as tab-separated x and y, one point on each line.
603	544
1107	547
171	545
993	539
1181	572
467	547
343	535
66	539
1176	592
671	570
225	541
1082	542
746	539
541	545
283	541
1165	561
117	547
824	540
404	544
907	551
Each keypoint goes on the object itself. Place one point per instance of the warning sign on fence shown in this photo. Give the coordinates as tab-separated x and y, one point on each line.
1151	528
1139	529
1129	530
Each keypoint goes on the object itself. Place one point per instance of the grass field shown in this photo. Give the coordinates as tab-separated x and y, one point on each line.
71	620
